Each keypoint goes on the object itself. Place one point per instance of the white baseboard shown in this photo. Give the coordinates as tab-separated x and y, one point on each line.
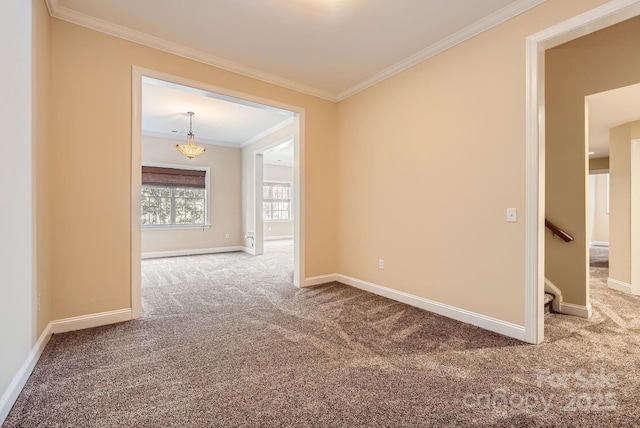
619	285
10	396
90	321
277	238
482	321
192	252
322	279
558	305
599	244
12	392
249	250
576	310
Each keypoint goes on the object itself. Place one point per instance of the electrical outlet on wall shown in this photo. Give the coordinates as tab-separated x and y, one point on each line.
381	264
226	236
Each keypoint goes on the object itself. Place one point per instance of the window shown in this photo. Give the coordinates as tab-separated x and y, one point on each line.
276	201
173	197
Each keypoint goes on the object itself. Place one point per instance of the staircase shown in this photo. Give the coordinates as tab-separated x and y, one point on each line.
548	299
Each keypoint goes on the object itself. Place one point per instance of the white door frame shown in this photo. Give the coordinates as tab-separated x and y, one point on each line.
635	216
596	19
137	73
258	165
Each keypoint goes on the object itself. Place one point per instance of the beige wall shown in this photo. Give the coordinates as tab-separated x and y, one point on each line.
440	226
90	168
620	203
598	202
278	173
595	63
225	202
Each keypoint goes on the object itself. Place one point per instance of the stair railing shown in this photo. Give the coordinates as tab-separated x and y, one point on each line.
557	231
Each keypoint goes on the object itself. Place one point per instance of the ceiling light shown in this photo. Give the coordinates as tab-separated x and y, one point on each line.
190	149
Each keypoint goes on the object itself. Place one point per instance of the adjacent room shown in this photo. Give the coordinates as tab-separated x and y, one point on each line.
198	197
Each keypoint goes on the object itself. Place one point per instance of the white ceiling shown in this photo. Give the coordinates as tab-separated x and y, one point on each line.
328	48
281	155
608	110
217	120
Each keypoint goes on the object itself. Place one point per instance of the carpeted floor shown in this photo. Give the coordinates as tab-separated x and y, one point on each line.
227	341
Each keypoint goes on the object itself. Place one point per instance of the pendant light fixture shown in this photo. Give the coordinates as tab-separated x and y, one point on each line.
190	149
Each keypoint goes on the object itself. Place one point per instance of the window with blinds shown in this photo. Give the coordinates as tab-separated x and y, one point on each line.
276	201
171	196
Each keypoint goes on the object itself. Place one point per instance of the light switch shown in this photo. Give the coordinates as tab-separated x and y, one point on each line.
512	215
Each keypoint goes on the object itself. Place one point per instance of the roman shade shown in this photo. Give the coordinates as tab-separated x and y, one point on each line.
173	177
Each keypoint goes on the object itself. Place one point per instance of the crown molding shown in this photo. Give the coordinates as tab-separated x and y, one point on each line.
74	17
504	14
181	137
267	132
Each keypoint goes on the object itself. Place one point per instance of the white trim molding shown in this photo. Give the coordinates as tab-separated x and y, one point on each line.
512	10
558	305
599	244
619	285
248	250
278	238
488	323
634	287
90	321
190	252
64	13
12	392
320	279
18	382
70	15
262	135
576	310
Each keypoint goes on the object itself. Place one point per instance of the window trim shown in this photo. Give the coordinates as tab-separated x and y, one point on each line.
291	216
207	198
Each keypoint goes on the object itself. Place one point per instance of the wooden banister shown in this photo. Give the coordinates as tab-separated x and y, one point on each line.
557	231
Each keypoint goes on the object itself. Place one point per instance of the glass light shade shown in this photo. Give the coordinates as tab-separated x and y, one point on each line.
190	149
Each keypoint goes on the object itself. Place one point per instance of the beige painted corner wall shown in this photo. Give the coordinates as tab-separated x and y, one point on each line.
595	63
441	226
225	202
91	171
600	216
278	173
41	159
620	203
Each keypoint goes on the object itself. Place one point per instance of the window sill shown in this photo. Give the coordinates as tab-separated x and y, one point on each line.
178	227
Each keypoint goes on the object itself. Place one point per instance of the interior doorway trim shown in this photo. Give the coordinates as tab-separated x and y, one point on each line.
635	216
596	19
258	165
137	73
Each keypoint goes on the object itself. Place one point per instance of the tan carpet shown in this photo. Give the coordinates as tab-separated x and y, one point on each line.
226	340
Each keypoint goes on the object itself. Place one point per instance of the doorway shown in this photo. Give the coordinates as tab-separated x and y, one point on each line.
536	46
293	119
